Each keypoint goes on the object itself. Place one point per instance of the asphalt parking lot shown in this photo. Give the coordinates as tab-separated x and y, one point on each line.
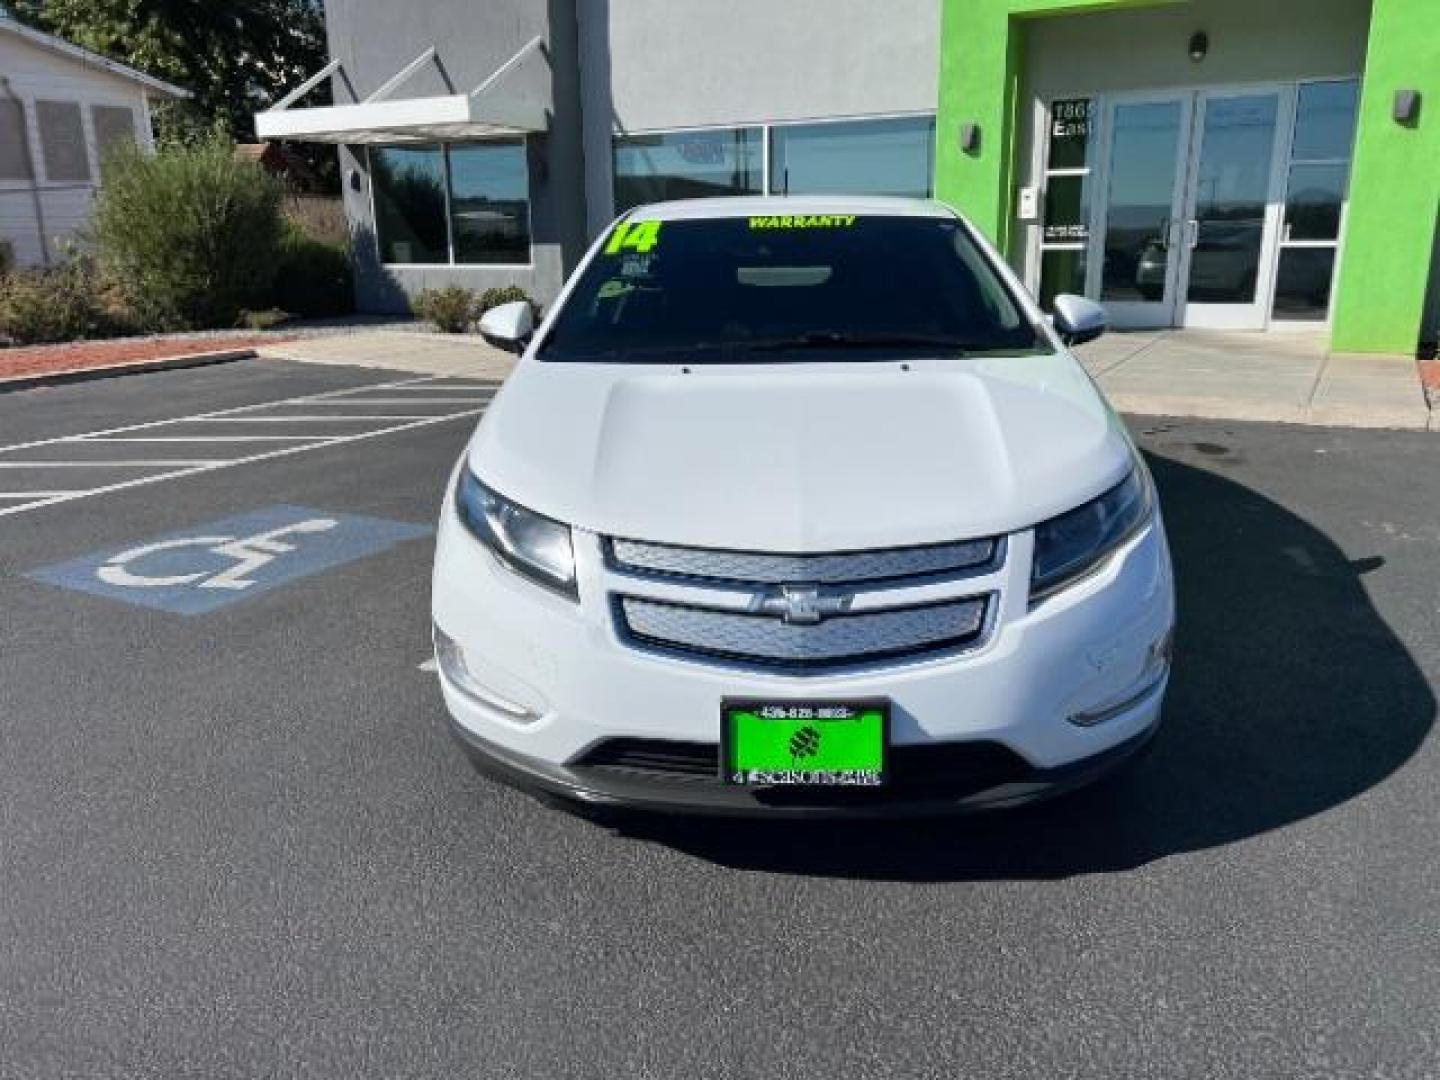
236	840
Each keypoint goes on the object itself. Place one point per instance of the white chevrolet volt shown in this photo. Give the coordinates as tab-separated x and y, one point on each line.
800	507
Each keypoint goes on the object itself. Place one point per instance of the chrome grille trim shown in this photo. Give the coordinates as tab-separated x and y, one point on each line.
964	558
840	641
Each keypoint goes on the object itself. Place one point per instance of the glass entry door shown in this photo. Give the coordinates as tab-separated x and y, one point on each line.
1145	161
1191	197
1232	210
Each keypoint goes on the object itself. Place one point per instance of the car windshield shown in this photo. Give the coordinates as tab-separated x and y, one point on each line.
788	288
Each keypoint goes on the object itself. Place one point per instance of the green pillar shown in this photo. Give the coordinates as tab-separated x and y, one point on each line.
1394	186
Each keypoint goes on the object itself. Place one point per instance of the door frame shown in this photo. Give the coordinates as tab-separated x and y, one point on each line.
1254	315
1137	314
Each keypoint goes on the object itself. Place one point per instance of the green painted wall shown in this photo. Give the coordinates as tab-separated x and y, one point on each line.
1394	186
1395	183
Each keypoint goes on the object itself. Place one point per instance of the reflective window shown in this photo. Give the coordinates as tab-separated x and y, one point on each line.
489	203
1144	145
1065	228
465	203
1313	201
409	185
687	165
14	154
854	157
1325	120
1302	285
1315	194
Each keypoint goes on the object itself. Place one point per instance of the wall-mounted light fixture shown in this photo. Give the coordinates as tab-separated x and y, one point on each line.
1199	45
970	138
1407	106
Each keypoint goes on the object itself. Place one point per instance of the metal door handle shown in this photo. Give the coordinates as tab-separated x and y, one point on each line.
1165	234
1192	233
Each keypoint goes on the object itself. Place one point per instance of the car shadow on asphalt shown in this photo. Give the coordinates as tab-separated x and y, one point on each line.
1290	695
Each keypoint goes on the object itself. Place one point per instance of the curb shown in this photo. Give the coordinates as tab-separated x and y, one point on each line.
129	367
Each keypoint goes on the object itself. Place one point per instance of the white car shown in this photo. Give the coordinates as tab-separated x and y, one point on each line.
800	507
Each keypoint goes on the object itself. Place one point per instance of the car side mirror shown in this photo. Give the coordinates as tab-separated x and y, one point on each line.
508	326
1079	320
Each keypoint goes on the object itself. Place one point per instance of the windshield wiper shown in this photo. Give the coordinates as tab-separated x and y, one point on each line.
839	339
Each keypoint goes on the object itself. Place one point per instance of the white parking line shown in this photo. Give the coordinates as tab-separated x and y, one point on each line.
150	432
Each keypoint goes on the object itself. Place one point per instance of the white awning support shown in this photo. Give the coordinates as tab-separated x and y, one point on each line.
514	100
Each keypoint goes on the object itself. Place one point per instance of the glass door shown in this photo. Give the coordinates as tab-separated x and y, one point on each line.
1133	249
1232	210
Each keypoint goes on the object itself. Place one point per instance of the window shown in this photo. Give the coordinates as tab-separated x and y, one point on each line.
1315	194
464	203
14	151
1065	229
62	142
489	208
687	165
854	157
113	124
761	289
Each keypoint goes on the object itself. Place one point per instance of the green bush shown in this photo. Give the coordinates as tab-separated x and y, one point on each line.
41	306
193	234
452	309
505	294
312	278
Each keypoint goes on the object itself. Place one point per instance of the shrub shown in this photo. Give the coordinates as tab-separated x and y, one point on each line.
312	278
504	294
452	309
192	233
7	258
39	306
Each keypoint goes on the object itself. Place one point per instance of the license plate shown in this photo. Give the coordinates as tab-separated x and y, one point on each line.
810	744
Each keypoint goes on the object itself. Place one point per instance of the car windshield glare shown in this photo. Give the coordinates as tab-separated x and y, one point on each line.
769	289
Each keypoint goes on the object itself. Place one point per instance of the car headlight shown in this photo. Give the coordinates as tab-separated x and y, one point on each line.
529	543
1070	546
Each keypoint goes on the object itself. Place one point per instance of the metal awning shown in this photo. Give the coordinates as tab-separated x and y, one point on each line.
515	100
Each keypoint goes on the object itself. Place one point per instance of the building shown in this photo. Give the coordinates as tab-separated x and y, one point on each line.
1211	163
61	106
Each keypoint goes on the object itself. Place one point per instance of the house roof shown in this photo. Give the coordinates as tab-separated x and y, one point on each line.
61	47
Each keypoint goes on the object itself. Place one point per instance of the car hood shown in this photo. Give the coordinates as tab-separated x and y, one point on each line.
802	457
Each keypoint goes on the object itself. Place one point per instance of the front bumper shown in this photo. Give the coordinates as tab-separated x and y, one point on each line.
558	681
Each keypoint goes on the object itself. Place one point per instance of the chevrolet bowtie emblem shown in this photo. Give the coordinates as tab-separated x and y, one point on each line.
802	605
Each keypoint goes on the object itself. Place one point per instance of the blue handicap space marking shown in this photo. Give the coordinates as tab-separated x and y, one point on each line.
211	566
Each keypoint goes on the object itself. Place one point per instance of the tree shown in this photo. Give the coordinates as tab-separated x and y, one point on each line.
235	57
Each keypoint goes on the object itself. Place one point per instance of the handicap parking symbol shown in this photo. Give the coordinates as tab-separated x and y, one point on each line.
211	566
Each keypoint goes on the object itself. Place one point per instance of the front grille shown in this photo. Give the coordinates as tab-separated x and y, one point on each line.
844	568
932	770
838	641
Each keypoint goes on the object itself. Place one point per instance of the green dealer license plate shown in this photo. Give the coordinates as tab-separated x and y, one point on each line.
812	744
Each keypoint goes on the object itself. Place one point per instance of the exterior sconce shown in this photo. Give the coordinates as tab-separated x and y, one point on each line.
970	138
1199	45
1407	106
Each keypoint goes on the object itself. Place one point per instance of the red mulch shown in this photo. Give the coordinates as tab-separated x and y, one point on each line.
81	355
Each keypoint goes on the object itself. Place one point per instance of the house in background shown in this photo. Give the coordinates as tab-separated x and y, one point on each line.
61	107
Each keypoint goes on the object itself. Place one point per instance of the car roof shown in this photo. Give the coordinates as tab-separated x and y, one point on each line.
789	205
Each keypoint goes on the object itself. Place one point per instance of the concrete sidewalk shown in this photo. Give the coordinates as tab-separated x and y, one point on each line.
1287	377
464	355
